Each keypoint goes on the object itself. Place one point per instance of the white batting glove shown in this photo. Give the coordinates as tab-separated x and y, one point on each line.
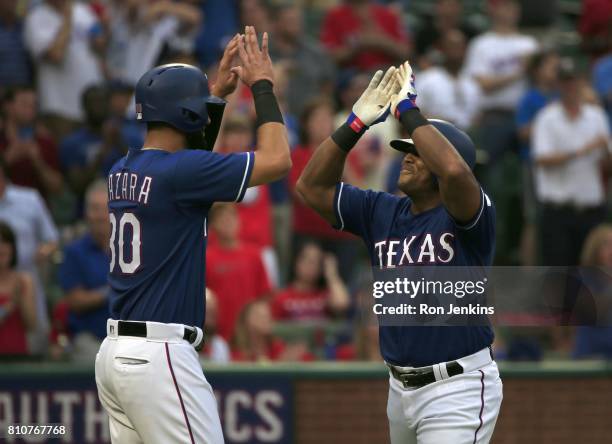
373	105
406	98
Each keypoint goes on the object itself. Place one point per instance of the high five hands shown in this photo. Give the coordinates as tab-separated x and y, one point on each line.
391	92
255	61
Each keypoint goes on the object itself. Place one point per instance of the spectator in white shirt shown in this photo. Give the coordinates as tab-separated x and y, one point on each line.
443	92
62	37
570	142
497	61
141	32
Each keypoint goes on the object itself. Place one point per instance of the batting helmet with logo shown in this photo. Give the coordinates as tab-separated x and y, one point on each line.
459	139
176	94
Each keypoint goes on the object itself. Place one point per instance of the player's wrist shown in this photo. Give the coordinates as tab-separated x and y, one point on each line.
347	136
266	105
411	119
404	105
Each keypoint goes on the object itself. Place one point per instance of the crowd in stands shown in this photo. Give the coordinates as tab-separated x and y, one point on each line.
532	86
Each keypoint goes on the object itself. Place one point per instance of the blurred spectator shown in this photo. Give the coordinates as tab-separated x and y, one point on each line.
364	35
602	77
219	24
596	342
444	91
215	348
91	150
497	60
144	34
254	341
316	126
255	13
448	14
83	276
15	66
18	315
594	25
254	211
316	291
542	72
311	73
61	35
30	153
234	270
570	140
25	212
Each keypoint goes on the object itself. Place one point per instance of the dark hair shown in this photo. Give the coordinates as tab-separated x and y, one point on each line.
537	61
307	112
93	89
13	91
301	247
4	170
8	236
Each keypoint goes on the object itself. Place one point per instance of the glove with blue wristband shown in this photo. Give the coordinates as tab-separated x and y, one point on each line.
371	108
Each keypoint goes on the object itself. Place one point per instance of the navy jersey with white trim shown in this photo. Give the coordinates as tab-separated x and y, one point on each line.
158	205
396	237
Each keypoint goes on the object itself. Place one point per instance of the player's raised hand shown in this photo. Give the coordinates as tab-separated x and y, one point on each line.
226	80
406	97
373	105
255	61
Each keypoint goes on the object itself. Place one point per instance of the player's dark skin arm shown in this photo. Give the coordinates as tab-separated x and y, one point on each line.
459	188
317	183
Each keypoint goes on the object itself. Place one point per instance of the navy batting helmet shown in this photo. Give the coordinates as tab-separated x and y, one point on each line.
461	141
176	94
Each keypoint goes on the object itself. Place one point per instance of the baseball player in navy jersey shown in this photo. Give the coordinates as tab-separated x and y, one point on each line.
444	384
147	370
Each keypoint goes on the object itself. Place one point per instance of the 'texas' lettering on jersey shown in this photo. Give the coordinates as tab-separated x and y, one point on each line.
416	249
129	186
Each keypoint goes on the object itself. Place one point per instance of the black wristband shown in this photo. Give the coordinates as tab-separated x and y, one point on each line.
411	119
266	106
345	137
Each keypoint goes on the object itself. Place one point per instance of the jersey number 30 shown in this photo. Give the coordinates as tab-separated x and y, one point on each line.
134	263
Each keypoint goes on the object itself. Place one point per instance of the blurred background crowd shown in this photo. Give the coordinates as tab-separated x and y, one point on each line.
530	81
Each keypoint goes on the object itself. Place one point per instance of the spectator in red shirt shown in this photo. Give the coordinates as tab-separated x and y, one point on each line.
364	35
316	292
255	209
316	124
234	269
254	340
594	26
28	150
17	305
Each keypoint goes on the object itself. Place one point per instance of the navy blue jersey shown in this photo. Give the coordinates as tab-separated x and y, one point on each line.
158	204
396	237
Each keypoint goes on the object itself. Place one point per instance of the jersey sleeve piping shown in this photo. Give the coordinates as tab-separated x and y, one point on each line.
484	201
247	175
339	220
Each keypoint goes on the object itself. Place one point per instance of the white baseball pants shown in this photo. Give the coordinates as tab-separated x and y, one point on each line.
153	389
461	409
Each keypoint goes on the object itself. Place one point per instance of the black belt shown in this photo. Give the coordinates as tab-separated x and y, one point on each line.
420	377
139	329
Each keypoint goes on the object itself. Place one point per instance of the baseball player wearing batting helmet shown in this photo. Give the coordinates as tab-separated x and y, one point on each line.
147	370
444	386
